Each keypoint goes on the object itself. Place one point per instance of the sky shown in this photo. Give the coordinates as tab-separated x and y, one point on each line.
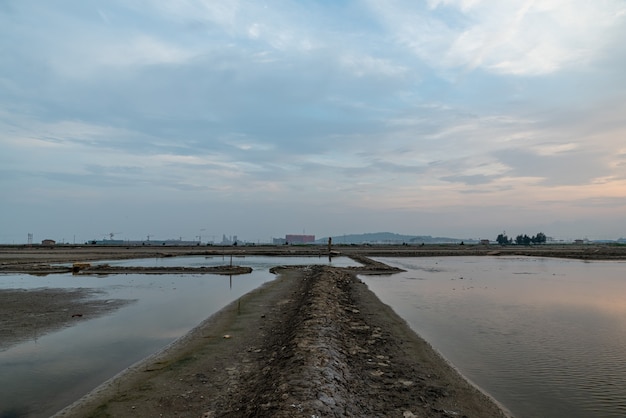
189	118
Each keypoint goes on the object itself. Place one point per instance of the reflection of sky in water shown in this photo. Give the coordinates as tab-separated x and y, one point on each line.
50	371
546	337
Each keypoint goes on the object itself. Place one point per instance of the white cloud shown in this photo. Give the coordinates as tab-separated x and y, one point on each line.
553	148
254	31
486	168
282	28
98	56
59	133
521	37
223	13
163	159
364	65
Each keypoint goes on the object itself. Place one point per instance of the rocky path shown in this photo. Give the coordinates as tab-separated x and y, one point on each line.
314	343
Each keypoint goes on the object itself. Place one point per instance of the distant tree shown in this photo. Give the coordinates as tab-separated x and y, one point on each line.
540	238
503	239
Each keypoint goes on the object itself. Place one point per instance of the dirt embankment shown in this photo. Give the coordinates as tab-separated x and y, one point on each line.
315	342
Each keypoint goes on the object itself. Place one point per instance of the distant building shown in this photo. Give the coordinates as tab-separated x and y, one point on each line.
300	239
48	242
229	240
279	241
107	242
484	242
579	241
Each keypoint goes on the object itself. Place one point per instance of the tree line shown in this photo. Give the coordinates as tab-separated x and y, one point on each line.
540	238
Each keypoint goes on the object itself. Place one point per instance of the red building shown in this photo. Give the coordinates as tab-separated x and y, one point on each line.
300	239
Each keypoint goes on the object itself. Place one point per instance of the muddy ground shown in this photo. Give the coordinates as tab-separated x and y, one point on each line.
29	314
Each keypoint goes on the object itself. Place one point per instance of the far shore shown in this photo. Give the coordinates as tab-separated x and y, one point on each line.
40	258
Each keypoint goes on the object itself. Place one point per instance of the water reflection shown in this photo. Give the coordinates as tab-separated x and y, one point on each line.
546	337
41	376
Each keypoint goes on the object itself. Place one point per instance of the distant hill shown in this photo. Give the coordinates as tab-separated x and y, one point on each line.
388	238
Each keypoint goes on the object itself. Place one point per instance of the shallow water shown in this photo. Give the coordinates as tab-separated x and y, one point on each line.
545	337
41	376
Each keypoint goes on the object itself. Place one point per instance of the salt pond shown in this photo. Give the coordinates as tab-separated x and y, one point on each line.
545	337
41	376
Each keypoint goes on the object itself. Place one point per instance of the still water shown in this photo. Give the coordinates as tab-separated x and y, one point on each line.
47	373
545	337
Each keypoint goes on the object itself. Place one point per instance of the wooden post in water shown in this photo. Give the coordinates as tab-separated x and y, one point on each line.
330	244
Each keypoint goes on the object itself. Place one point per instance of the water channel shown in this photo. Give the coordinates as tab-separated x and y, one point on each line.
41	376
545	337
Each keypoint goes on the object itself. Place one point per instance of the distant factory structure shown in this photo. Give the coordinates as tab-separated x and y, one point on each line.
226	240
230	240
166	242
295	239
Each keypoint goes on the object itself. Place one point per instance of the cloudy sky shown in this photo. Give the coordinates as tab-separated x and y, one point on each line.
179	118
